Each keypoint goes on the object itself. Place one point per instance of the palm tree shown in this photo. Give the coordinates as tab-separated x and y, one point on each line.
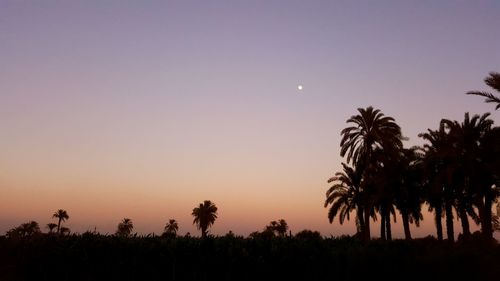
124	228
62	216
282	227
204	216
494	82
24	230
466	140
171	228
440	163
51	226
371	131
345	196
65	231
408	196
279	228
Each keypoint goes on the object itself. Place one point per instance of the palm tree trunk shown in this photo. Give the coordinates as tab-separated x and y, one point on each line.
361	221
439	224
367	224
449	221
59	226
465	222
203	232
388	225
382	224
485	216
406	224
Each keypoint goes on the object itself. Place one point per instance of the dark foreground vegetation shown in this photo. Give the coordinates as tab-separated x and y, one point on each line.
304	257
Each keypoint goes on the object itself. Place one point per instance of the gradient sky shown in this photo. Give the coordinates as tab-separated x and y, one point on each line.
142	109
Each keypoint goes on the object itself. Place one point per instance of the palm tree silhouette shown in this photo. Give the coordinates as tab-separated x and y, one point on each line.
494	82
65	231
281	227
171	228
204	216
51	226
124	228
62	216
24	230
440	163
408	195
345	196
371	131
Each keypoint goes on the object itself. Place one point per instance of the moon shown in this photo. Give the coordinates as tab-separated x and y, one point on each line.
300	87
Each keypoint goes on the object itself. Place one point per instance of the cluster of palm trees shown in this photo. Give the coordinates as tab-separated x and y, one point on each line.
456	172
204	217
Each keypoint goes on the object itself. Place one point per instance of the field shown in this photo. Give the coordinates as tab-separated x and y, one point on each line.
98	257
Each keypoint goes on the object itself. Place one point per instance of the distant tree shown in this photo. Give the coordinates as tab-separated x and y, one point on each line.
62	216
307	234
51	226
124	228
282	228
494	82
171	228
65	231
204	216
278	228
24	230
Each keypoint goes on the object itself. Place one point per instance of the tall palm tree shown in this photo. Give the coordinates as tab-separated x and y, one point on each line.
440	165
408	197
171	228
345	196
62	216
436	152
494	82
51	226
125	227
204	216
466	138
371	131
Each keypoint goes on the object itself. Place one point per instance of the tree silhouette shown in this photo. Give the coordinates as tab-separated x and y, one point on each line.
65	231
371	131
345	196
171	228
124	228
62	216
408	194
204	216
24	230
494	82
462	166
51	226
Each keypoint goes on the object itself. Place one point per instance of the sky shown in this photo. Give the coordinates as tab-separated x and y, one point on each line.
143	109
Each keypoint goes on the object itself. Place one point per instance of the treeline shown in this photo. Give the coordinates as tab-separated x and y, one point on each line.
307	256
456	173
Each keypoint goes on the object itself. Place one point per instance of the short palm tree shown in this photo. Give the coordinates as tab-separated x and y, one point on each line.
62	216
51	226
345	195
204	216
171	228
281	228
124	228
65	231
494	82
